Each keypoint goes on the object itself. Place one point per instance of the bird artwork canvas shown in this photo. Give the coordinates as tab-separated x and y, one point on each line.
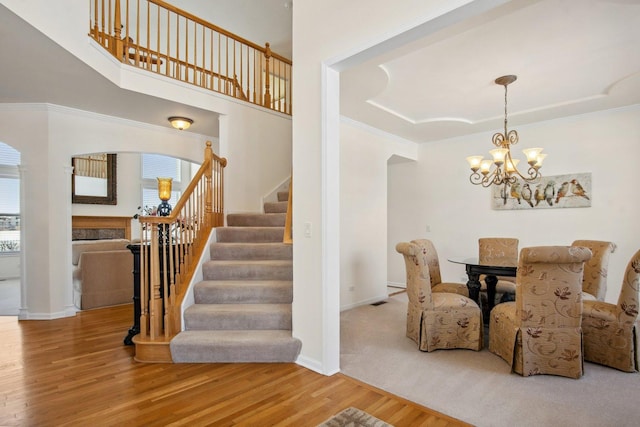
550	192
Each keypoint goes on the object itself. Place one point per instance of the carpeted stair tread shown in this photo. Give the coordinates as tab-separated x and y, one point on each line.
248	270
283	196
276	207
237	316
243	292
265	346
242	307
250	251
250	234
256	219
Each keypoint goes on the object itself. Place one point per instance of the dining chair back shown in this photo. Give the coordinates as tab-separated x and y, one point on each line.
430	257
612	331
437	320
540	333
594	280
498	251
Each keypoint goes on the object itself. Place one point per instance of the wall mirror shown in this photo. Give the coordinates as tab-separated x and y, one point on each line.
93	180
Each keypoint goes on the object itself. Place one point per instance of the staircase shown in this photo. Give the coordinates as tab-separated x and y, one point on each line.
242	310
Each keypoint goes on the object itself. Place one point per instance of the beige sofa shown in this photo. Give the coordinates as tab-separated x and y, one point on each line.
102	273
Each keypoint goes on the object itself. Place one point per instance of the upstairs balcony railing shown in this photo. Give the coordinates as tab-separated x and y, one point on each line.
158	37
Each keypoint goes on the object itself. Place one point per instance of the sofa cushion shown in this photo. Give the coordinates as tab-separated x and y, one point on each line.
80	246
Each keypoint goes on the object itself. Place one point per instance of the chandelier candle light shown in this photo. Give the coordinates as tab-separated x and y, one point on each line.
505	171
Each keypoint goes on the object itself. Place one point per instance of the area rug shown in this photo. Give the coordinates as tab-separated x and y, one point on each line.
353	417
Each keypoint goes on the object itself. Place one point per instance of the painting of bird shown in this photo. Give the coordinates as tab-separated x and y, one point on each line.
563	191
539	194
527	194
557	191
549	192
578	190
515	191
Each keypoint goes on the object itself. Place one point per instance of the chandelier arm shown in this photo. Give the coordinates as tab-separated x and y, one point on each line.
506	173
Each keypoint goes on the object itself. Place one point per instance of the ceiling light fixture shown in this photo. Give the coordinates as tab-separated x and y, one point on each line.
505	171
181	123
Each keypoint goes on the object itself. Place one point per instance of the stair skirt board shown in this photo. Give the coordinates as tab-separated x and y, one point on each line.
235	347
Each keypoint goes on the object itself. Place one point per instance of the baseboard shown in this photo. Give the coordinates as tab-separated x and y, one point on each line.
313	365
402	285
365	302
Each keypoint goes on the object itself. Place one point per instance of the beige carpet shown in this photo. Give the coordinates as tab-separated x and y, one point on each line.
477	387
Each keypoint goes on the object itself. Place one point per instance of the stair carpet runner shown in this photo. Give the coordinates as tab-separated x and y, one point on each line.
242	310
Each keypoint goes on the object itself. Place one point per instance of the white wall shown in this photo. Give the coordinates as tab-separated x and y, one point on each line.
256	143
364	156
607	144
318	52
48	136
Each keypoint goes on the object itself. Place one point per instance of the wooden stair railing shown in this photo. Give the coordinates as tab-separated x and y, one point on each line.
169	252
161	38
288	234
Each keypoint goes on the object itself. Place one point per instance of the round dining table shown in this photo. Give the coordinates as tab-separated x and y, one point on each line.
474	269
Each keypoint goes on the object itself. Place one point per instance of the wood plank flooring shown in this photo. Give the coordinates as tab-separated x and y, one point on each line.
77	372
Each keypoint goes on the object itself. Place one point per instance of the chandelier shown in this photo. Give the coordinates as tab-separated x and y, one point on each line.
505	169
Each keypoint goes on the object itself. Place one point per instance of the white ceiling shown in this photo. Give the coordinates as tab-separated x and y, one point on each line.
570	56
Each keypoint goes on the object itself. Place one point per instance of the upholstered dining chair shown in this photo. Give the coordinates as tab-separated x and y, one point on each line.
594	280
611	332
437	320
430	257
540	332
498	251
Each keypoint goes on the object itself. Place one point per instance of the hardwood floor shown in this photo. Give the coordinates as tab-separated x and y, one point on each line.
77	372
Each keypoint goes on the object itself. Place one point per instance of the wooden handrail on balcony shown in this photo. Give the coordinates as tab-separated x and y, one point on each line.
169	252
164	39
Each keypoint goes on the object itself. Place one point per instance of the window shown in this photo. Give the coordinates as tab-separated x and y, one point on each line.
9	199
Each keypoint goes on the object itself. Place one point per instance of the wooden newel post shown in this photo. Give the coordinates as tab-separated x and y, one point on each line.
267	94
117	31
208	198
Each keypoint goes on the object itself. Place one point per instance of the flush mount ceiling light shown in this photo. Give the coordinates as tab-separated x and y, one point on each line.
181	123
505	170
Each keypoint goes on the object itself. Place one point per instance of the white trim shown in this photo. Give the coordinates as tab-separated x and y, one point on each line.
272	195
402	285
365	302
189	297
314	365
330	90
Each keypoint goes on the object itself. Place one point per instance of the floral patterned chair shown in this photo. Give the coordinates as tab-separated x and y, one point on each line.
594	280
498	251
430	257
540	333
437	320
611	332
